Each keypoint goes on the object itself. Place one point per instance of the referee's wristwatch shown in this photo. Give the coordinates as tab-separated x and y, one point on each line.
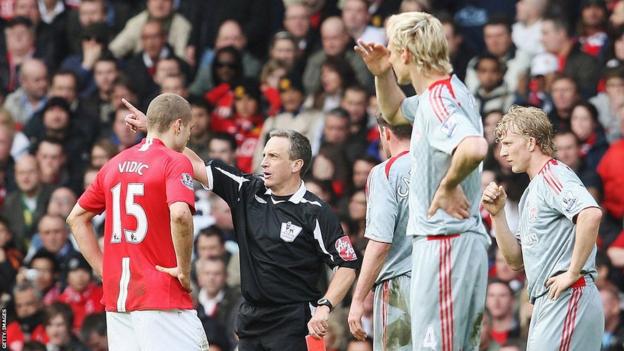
325	302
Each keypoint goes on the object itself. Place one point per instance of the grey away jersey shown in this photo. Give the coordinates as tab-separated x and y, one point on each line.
387	214
547	231
442	117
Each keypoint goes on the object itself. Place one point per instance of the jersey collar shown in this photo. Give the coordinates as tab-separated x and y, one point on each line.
296	197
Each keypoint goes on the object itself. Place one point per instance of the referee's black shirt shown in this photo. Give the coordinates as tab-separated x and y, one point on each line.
283	241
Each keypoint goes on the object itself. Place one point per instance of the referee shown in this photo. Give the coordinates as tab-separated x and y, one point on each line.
284	233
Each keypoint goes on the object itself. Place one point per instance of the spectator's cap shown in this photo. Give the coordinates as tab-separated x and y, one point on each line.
599	3
290	81
544	64
248	88
97	31
78	262
57	102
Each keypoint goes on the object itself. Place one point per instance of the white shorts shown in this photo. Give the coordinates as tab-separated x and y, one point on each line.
155	330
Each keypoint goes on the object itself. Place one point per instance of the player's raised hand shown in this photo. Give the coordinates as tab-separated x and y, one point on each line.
452	201
355	320
135	120
184	279
493	199
375	56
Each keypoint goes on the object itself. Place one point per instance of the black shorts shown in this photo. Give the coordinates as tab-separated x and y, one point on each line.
277	327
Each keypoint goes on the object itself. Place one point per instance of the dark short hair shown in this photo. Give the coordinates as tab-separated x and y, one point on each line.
560	23
224	137
402	131
499	20
93	323
300	148
62	309
500	66
339	112
46	255
20	21
211	231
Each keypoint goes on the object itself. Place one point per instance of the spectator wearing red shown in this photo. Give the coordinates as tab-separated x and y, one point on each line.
81	294
610	171
593	24
29	323
227	71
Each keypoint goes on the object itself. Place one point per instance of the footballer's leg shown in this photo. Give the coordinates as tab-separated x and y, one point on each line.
170	330
120	332
391	315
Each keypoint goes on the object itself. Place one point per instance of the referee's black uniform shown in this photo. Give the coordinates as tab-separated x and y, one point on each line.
283	242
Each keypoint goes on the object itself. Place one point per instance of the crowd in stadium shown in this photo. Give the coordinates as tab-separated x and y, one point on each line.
248	67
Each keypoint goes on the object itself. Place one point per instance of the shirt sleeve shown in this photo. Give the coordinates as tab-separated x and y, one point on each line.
381	206
94	198
179	181
448	125
409	106
566	194
226	181
334	244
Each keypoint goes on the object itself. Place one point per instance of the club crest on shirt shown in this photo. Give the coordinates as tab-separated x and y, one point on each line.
569	200
289	232
345	249
187	180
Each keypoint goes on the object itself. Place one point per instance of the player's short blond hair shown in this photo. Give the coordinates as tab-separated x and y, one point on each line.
165	109
531	122
423	36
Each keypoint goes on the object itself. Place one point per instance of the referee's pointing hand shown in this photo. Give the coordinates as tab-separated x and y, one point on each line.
317	326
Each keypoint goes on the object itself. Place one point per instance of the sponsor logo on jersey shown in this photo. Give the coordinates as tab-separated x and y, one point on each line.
289	232
345	249
132	167
448	127
187	180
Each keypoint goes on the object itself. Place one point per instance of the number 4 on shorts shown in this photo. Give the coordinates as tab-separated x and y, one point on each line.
430	339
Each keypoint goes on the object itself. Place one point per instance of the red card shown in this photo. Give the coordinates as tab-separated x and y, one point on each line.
315	344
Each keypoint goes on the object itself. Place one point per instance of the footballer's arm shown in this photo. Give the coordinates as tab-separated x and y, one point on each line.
79	221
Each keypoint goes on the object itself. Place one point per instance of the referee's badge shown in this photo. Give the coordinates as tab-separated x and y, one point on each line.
289	232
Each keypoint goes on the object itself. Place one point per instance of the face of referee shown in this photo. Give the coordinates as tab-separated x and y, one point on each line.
279	171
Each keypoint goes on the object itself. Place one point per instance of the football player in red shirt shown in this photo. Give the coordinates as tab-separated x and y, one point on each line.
147	193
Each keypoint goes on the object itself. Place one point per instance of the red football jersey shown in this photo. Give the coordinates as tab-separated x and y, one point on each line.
136	188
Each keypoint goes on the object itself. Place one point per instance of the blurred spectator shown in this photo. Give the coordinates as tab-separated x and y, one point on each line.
593	28
93	43
200	133
230	34
222	146
354	100
89	12
503	273
459	53
216	299
584	124
357	214
336	75
142	66
48	43
558	40
565	95
490	121
356	19
121	135
23	207
30	98
61	202
609	102
283	48
305	121
527	31
617	14
19	37
58	326
297	23
610	171
54	13
613	338
500	304
51	161
497	36
568	152
93	332
29	324
335	40
10	258
20	144
122	90
493	92
175	30
486	342
174	84
105	72
102	151
54	238
270	76
44	272
227	71
246	124
361	169
81	294
7	162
